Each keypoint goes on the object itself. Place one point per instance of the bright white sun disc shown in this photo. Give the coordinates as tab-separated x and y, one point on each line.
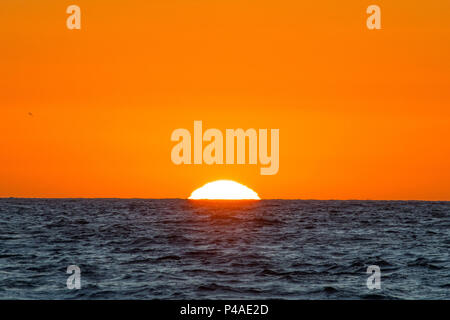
224	190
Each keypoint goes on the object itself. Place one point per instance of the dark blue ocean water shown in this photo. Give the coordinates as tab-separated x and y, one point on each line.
175	249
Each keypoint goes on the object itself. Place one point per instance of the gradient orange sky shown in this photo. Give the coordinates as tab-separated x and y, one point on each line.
362	114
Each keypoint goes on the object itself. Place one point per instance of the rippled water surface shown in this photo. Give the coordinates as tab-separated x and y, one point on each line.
175	249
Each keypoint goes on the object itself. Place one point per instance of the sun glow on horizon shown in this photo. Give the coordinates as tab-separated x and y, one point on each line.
224	190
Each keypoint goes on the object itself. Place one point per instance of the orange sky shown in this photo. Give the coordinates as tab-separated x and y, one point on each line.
362	114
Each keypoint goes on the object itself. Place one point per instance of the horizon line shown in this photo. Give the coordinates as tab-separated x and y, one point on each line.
262	199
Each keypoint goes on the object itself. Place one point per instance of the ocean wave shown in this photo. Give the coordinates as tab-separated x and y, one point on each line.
284	249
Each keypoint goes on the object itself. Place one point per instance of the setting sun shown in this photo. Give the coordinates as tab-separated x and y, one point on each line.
224	190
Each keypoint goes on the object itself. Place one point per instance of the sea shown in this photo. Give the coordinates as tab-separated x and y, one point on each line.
187	249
